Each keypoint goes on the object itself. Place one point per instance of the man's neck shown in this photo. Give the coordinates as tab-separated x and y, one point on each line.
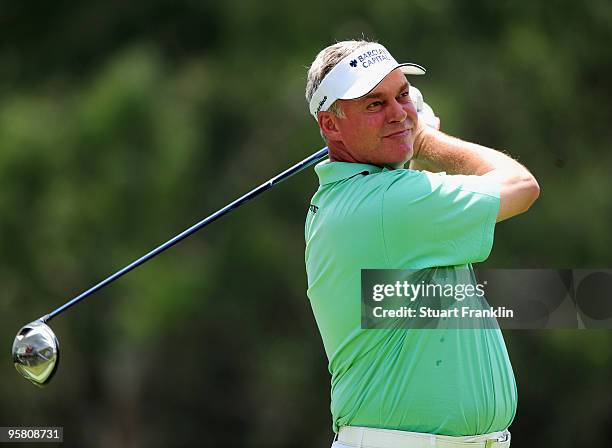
340	154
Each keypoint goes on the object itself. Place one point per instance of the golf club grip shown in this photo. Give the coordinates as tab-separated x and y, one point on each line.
300	166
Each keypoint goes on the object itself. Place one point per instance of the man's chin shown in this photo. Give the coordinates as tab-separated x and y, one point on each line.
406	154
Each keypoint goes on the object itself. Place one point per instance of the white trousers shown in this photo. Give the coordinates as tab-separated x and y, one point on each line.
360	437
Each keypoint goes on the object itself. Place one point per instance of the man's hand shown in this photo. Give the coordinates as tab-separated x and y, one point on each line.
426	113
427	117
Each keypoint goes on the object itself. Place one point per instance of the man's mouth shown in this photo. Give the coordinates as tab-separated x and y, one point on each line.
399	134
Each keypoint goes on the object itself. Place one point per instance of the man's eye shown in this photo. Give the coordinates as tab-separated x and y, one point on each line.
374	104
405	94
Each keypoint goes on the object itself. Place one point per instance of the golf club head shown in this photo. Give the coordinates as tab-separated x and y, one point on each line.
36	352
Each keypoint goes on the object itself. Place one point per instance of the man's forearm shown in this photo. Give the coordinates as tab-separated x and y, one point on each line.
436	151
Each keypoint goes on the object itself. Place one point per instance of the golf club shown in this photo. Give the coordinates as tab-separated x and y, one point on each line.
36	348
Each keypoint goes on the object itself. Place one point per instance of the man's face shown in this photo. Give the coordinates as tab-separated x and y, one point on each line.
379	127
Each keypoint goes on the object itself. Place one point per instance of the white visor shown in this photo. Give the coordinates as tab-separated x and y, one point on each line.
356	75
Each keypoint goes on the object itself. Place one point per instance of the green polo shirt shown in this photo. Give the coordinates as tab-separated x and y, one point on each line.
443	381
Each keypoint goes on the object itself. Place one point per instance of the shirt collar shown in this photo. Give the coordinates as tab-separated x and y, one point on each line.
330	172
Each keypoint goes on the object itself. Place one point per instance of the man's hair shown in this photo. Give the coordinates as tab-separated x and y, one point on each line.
327	59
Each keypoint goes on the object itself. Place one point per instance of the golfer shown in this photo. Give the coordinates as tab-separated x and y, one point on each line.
398	387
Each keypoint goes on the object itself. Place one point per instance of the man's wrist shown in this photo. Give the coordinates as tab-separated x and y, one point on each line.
423	132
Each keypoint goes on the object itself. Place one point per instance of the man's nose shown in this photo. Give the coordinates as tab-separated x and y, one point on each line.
396	112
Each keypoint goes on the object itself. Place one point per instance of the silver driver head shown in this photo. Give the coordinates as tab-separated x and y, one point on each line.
36	352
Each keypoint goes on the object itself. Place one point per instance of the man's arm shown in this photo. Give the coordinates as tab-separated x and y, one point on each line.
435	151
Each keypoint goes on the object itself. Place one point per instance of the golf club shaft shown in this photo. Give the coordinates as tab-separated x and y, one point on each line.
181	236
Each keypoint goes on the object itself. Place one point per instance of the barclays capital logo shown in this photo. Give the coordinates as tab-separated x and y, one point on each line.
372	57
353	63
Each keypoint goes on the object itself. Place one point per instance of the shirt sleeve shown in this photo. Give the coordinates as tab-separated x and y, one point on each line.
435	219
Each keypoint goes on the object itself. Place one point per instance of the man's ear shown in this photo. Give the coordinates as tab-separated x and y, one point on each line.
329	128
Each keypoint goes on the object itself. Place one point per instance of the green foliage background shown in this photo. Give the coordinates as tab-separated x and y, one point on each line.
123	123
